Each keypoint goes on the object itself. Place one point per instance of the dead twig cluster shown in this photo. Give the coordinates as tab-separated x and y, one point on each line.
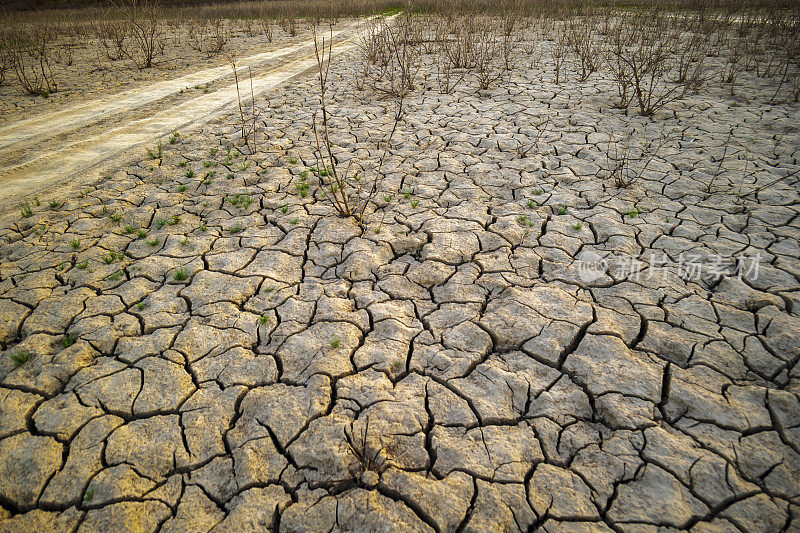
248	113
28	51
627	161
390	58
146	33
349	192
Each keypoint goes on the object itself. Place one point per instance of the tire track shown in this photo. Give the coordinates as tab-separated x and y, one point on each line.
76	153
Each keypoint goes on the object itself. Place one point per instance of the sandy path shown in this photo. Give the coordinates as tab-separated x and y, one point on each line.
48	149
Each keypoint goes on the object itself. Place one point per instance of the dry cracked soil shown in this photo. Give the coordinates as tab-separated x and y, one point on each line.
194	343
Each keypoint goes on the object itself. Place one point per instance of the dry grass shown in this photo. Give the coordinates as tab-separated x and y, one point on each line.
655	50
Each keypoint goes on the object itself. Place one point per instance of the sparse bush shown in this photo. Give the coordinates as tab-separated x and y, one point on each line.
4	63
196	35
390	58
644	63
625	162
248	114
266	27
461	47
28	50
219	36
112	34
689	62
491	55
289	24
559	52
585	46
146	41
348	193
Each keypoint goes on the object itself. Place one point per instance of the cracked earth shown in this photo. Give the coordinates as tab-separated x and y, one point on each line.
214	350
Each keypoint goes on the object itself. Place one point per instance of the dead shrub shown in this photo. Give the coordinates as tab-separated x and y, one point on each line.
112	34
27	50
586	47
492	54
559	51
248	112
475	44
626	161
390	58
196	35
289	24
266	27
460	41
644	63
146	33
219	36
4	65
689	62
349	193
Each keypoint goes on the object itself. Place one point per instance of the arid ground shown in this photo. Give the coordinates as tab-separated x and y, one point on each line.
556	313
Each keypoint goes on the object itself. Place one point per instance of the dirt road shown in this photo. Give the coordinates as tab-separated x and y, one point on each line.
83	140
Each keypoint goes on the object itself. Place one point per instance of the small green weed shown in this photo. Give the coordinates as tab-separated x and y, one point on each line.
21	357
111	257
242	201
68	341
302	188
157	153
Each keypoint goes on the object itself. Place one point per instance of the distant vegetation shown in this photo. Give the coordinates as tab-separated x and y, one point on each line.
276	8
